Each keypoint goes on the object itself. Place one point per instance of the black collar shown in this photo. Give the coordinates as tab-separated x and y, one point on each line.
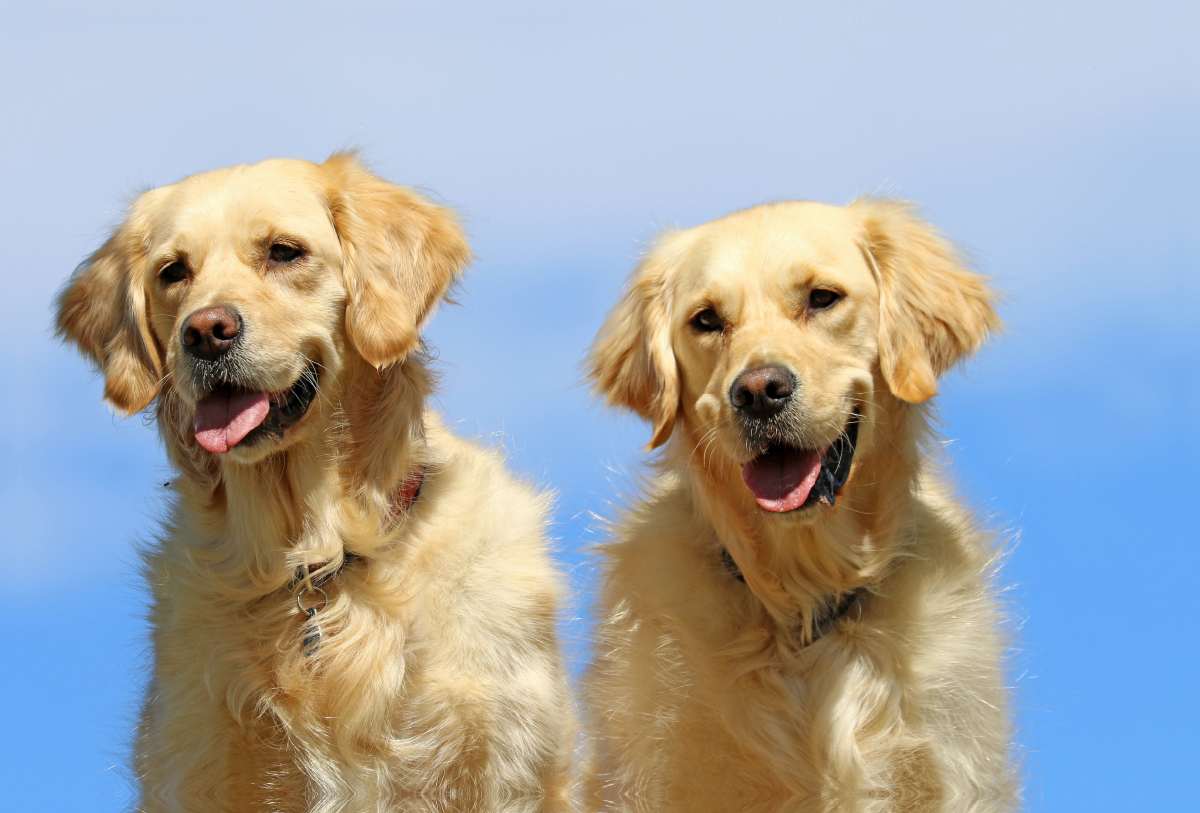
833	609
349	557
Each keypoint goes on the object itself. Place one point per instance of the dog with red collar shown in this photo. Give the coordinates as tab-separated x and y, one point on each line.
351	607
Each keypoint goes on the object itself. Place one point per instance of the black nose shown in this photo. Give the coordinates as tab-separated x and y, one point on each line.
209	333
762	392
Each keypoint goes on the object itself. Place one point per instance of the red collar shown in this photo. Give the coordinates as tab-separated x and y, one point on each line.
405	495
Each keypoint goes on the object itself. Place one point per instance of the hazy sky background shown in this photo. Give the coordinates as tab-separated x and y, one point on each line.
1057	141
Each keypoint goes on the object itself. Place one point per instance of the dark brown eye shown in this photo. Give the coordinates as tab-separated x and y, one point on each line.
822	298
285	253
707	321
173	272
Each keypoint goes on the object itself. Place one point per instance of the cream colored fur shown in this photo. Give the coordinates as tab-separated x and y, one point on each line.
438	683
706	693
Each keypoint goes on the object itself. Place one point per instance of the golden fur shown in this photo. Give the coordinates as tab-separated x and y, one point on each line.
438	683
708	693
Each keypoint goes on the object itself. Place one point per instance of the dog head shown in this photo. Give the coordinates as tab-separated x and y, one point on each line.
775	336
247	293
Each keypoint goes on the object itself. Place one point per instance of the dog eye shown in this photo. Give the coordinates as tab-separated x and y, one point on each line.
707	321
822	298
173	272
285	253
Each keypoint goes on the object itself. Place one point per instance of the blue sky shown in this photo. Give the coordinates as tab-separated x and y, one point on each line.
1057	141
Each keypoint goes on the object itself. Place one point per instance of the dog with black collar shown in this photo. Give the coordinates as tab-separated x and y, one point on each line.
796	614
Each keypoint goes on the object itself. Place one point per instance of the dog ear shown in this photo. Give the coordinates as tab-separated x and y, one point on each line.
103	310
401	255
933	310
631	362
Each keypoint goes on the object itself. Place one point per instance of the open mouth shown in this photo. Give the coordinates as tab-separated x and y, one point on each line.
228	416
785	478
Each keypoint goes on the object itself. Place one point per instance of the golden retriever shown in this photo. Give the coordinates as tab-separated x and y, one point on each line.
797	615
352	608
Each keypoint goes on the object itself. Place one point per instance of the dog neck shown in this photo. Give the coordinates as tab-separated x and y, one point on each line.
835	607
250	526
798	567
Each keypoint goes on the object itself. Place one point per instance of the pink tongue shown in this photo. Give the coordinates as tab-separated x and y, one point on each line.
222	420
781	479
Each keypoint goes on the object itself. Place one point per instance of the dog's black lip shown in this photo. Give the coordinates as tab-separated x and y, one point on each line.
835	466
287	407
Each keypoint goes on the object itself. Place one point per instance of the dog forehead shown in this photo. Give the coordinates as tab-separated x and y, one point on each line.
283	196
778	243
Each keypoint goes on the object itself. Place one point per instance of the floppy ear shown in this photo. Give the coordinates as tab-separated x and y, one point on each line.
102	310
933	310
631	362
401	255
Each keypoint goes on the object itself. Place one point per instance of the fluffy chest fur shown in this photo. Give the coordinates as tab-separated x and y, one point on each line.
437	675
900	703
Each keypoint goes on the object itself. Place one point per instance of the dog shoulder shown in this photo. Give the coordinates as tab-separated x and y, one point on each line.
949	534
664	567
485	530
477	490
